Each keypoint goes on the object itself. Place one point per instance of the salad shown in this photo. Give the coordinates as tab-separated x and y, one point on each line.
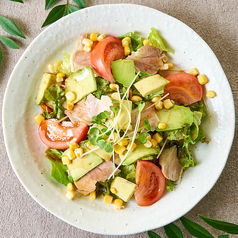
118	118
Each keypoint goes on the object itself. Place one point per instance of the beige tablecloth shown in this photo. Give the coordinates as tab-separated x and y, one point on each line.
216	21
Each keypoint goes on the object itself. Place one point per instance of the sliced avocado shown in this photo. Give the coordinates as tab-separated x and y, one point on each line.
124	117
81	83
175	117
151	84
46	81
80	166
123	71
140	152
123	188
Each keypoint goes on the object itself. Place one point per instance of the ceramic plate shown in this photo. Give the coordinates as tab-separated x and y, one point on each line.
27	154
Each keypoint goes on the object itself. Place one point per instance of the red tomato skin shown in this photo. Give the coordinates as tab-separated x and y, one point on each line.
54	135
183	88
107	50
150	183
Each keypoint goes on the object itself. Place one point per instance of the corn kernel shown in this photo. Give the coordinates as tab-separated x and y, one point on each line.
154	142
101	37
118	204
87	42
168	104
202	79
155	99
194	72
211	94
161	125
70	195
136	98
113	190
59	80
73	146
93	37
148	144
148	136
126	42
119	149
114	86
115	96
157	137
93	195
70	187
170	65
60	75
123	142
70	106
108	199
132	148
159	105
39	118
66	160
127	50
146	42
78	152
87	48
51	68
57	64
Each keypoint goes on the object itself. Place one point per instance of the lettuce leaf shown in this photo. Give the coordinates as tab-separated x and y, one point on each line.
103	87
65	66
128	172
136	41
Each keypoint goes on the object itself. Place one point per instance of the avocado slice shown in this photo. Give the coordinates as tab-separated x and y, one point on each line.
124	117
140	152
81	83
151	84
124	71
175	118
46	81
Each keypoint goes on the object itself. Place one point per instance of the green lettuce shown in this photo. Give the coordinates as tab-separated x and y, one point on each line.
136	41
128	172
103	87
65	66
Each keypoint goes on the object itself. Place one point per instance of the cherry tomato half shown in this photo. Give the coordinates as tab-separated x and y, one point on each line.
102	55
183	88
59	136
150	183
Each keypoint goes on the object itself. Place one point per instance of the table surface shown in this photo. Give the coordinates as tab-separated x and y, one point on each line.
216	21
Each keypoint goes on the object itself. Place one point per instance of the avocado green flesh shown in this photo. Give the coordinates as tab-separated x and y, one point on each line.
140	152
175	118
123	71
81	83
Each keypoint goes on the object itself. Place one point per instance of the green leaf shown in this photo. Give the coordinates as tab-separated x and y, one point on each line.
8	42
195	229
221	225
80	3
10	27
0	55
170	185
48	3
147	124
55	14
223	236
102	143
151	234
17	1
108	148
73	8
172	231
142	137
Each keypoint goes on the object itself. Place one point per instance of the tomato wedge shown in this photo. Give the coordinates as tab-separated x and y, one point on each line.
102	55
183	88
59	136
150	182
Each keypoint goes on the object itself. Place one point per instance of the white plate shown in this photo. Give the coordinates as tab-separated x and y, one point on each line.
26	152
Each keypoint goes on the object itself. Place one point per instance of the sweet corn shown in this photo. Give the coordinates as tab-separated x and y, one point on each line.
148	144
148	136
39	118
56	65
101	37
154	142
87	42
108	199
194	72
159	105
119	149
146	42
70	195
136	98
157	137
118	204
86	194
70	96
93	37
170	65
71	155
114	86
93	195
123	142
113	190
70	187
51	68
78	152
133	146
161	125
127	50
70	106
202	79
87	48
115	96
168	104
60	75
73	146
155	99
66	160
59	80
211	94
126	41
